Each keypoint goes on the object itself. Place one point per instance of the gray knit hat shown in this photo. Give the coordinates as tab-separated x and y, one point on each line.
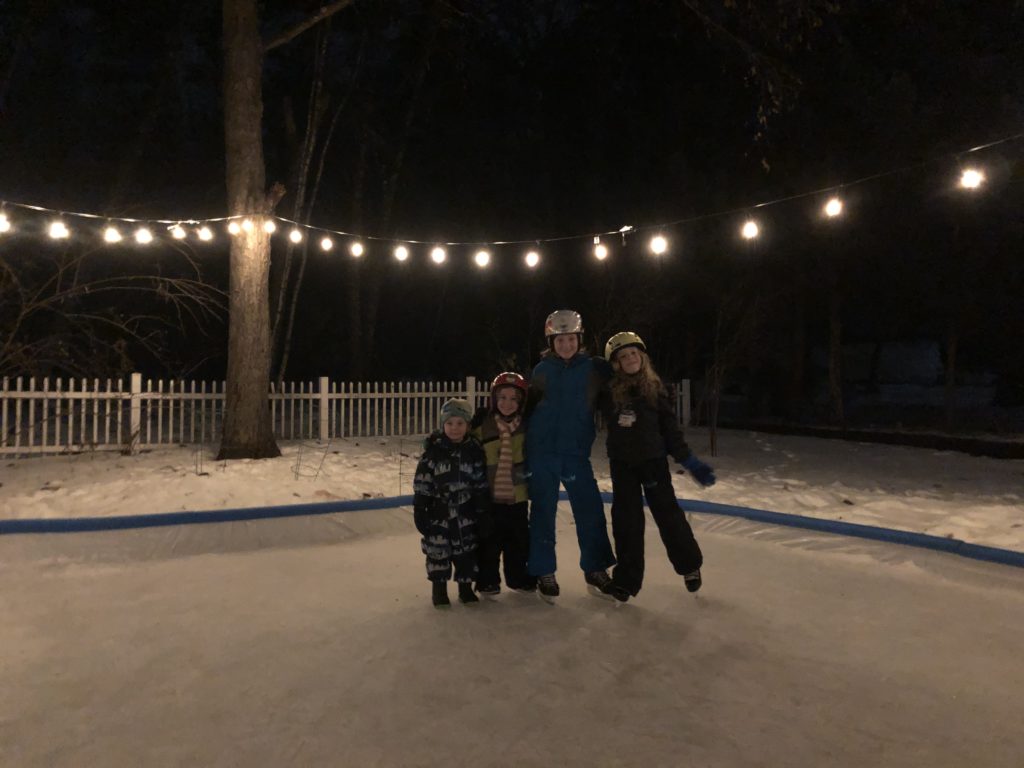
455	407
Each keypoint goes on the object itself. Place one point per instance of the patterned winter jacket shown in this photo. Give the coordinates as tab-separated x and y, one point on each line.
450	482
562	422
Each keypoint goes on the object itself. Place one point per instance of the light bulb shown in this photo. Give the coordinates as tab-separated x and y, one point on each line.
269	226
601	251
234	228
971	178
438	255
532	259
327	243
204	234
247	225
58	230
295	236
482	259
659	244
111	235
143	236
750	230
833	207
401	253
5	223
178	232
356	249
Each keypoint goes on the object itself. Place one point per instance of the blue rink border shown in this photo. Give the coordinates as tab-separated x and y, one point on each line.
125	522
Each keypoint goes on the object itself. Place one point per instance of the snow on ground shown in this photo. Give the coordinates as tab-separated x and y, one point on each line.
942	493
311	641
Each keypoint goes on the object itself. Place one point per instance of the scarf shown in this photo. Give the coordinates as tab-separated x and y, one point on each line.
504	487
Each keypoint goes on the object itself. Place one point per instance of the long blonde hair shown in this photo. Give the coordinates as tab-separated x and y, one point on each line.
646	381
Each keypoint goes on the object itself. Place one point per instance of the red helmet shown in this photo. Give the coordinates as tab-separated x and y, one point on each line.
507	379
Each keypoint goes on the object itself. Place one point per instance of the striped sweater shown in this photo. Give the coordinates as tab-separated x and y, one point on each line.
487	433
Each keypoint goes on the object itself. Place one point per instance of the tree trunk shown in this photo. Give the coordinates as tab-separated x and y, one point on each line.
835	354
247	429
355	310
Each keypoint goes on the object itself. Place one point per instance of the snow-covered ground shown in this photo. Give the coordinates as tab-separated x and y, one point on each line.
979	500
311	641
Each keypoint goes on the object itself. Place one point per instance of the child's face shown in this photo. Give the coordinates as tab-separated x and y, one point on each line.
507	400
567	345
629	360
455	429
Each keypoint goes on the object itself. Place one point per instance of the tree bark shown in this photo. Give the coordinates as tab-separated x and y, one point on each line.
247	428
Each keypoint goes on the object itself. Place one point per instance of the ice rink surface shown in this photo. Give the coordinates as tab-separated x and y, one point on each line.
312	642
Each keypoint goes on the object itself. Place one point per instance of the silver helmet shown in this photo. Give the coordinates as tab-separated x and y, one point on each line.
563	321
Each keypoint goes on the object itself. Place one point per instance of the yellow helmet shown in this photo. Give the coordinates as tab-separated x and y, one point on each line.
620	340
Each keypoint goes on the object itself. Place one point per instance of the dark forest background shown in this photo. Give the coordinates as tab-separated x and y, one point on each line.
485	120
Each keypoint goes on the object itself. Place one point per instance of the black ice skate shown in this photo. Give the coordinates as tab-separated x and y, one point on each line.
440	594
619	592
489	590
548	588
692	580
598	583
466	594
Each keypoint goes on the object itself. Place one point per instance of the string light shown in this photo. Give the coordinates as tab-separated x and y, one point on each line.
600	249
327	243
659	245
750	230
482	259
178	232
234	228
205	234
438	255
269	226
401	253
247	225
532	259
5	223
58	230
833	207
295	235
356	249
971	178
143	236
111	235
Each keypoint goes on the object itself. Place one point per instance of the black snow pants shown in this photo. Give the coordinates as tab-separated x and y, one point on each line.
509	542
630	483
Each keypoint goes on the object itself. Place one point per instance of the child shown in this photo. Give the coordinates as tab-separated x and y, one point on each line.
450	497
561	432
502	431
642	429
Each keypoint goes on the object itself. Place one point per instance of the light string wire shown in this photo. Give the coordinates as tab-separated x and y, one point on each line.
527	241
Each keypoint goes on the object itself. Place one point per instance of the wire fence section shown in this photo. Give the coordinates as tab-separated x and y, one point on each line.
59	415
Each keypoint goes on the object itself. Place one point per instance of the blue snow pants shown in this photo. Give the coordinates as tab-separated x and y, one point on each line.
547	472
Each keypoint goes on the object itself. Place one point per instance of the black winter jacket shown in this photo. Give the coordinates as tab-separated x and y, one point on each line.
639	432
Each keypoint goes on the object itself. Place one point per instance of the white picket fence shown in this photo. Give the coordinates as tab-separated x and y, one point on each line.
67	416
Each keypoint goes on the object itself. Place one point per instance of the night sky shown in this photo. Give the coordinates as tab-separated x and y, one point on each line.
484	120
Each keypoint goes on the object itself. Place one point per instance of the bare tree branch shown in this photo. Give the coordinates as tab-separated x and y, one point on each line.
325	12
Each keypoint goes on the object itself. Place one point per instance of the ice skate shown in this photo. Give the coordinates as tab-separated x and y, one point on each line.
692	580
598	584
547	587
488	591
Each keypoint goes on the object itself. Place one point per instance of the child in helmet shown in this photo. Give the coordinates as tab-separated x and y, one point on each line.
642	432
450	497
567	382
501	430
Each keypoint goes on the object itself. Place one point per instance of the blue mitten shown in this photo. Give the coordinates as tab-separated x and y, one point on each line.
701	472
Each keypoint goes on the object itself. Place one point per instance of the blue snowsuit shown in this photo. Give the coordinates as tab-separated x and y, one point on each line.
558	440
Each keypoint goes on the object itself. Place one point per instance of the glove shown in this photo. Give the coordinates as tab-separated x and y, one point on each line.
701	472
421	517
